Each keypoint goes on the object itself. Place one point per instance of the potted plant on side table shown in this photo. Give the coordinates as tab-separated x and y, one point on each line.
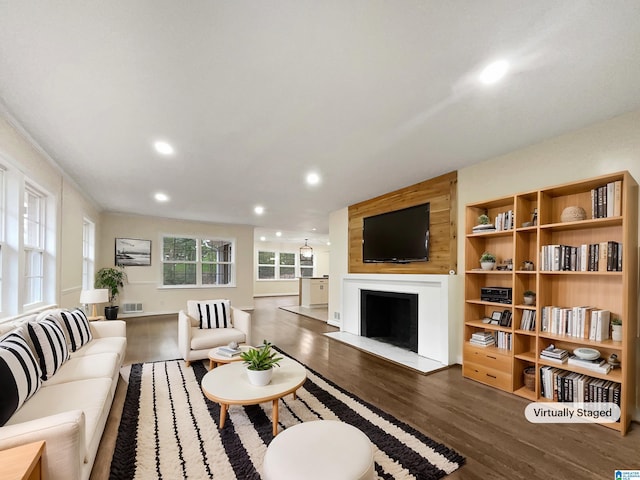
111	278
260	363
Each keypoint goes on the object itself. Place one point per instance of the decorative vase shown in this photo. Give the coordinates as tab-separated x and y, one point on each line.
529	300
616	333
259	378
573	214
487	265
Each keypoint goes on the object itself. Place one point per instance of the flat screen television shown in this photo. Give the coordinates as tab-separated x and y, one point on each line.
401	236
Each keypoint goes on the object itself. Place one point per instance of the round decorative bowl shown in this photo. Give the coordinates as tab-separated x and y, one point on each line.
587	353
573	214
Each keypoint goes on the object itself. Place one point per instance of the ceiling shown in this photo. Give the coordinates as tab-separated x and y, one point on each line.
372	95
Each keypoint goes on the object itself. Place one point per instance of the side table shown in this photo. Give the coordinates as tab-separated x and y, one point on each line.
22	463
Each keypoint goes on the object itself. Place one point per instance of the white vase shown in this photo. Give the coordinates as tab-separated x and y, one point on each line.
259	378
487	265
616	333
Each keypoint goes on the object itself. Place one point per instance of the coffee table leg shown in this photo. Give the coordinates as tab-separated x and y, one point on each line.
295	397
274	414
223	414
211	364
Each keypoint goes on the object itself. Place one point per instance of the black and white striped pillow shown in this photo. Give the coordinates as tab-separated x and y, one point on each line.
214	314
77	327
49	344
19	374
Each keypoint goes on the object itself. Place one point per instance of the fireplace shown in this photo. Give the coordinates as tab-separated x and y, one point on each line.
390	317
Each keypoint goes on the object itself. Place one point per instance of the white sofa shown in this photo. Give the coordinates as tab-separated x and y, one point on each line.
194	342
70	410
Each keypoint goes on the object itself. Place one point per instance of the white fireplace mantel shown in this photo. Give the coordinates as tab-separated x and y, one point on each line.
433	308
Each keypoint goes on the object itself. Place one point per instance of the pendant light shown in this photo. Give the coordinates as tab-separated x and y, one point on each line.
306	251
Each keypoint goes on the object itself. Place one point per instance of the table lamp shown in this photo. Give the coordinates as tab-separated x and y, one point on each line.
92	297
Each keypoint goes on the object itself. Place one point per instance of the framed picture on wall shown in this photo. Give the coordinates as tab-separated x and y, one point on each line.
133	252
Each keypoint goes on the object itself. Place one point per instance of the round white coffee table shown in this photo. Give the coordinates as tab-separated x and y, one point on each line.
216	359
229	385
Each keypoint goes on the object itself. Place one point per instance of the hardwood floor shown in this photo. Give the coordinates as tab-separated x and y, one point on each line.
484	425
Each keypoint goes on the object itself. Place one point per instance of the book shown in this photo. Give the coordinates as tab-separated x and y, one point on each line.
228	352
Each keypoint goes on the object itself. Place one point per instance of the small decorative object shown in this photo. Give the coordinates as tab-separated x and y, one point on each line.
233	345
573	214
529	297
529	374
526	224
483	219
616	329
586	353
613	360
260	363
527	266
488	261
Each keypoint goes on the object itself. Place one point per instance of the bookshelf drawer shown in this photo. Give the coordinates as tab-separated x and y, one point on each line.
488	376
489	359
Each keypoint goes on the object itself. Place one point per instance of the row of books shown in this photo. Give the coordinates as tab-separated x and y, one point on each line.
606	200
594	257
564	386
528	321
488	339
504	221
579	322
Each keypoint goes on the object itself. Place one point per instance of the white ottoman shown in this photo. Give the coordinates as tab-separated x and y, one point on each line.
324	449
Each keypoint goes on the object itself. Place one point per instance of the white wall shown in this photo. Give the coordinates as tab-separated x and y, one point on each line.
339	262
144	285
266	288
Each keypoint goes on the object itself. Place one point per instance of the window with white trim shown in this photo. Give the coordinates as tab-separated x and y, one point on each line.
2	236
276	265
88	253
190	261
33	222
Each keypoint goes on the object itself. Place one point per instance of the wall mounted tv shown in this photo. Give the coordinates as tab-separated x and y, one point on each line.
401	236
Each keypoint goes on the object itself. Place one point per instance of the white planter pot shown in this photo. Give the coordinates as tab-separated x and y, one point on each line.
487	265
529	300
259	378
616	333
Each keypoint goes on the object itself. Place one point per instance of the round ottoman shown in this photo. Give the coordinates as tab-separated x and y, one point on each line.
323	449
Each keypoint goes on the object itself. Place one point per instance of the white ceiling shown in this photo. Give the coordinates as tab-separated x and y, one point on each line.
373	95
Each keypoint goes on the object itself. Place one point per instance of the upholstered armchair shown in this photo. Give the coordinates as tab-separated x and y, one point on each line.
208	324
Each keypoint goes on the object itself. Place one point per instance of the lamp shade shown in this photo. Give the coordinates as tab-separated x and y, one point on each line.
99	295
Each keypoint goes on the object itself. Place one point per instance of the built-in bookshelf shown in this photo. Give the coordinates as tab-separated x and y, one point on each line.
574	245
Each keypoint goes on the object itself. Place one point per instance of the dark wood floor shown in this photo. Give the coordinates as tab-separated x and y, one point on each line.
484	425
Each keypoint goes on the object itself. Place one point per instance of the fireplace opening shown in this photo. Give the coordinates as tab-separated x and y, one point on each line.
390	317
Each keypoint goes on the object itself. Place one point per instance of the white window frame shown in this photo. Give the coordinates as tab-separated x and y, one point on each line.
34	245
199	262
2	235
276	265
88	253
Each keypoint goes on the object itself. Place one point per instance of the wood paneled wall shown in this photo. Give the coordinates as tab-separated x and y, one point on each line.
441	193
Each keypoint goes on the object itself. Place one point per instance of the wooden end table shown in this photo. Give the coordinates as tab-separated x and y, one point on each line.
23	462
229	385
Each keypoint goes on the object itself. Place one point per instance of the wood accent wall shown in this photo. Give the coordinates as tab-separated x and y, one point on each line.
441	193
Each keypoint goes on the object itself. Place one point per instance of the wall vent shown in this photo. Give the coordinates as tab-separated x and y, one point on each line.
132	308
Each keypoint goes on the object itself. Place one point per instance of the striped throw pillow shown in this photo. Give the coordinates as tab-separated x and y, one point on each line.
49	344
214	314
77	328
19	374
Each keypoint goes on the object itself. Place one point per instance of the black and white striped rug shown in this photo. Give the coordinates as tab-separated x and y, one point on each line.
169	430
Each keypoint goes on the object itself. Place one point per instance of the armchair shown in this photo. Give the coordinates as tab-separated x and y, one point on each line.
194	342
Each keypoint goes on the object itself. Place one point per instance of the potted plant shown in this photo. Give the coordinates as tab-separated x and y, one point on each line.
529	297
111	278
488	261
616	329
260	363
483	219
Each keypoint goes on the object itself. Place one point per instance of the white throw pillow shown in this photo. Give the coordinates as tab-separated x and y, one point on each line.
19	374
77	328
214	314
50	345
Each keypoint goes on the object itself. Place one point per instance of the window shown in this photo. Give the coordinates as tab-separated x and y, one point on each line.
34	245
274	265
88	253
197	262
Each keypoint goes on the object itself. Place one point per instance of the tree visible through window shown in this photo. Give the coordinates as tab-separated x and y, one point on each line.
274	265
197	262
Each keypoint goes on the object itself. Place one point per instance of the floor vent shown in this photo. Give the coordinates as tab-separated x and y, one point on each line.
131	308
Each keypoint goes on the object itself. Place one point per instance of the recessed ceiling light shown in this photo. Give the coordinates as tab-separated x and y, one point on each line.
263	238
278	234
161	197
494	72
328	243
313	178
163	147
259	210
